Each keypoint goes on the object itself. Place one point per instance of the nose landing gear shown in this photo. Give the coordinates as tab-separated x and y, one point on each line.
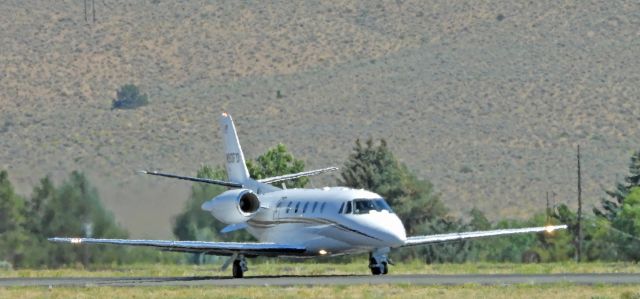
379	261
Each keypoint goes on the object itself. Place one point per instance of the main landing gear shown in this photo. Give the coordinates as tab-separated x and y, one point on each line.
379	261
239	266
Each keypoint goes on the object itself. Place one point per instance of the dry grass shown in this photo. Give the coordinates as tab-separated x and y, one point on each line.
449	84
359	291
273	268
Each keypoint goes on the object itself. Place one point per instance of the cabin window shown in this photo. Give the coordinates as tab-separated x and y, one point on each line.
297	206
279	204
289	207
348	209
322	207
341	207
304	210
315	204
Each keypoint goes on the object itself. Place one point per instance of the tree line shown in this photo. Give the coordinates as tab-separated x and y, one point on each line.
74	208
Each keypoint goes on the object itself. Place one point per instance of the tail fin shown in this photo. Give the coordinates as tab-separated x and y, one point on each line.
236	168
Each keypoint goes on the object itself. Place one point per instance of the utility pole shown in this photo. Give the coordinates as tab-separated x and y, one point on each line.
93	10
548	212
579	248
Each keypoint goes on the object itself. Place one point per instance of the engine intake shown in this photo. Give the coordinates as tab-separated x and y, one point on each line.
249	203
233	206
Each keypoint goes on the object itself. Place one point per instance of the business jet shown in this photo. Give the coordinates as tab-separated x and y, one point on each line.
298	223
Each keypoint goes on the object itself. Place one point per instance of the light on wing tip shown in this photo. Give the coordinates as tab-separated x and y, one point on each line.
224	114
76	241
549	228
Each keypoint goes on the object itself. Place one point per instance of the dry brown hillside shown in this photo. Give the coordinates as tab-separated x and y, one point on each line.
487	99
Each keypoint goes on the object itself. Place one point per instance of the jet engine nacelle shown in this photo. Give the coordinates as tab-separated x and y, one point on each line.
233	206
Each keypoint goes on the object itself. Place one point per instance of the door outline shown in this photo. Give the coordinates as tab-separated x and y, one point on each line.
276	212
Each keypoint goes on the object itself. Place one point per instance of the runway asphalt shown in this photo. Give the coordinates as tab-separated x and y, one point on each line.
493	279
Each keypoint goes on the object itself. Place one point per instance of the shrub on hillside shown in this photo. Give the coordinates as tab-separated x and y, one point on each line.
129	97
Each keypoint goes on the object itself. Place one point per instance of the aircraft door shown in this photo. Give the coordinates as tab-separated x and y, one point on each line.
279	208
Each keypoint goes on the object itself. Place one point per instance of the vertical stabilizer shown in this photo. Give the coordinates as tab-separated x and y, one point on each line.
236	168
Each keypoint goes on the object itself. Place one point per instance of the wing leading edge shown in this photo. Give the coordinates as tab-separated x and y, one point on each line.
432	239
213	248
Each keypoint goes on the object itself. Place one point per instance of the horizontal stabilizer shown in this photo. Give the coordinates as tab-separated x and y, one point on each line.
296	175
193	179
234	227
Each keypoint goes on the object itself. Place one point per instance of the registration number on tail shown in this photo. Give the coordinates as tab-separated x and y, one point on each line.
233	157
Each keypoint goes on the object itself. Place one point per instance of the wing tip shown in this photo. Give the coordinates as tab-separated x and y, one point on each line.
65	240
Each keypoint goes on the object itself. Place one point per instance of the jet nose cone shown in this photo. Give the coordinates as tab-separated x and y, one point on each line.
393	232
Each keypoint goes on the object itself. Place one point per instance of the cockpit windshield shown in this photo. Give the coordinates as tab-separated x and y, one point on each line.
364	206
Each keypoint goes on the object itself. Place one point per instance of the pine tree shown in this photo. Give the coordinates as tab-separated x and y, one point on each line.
627	224
277	161
76	210
611	207
13	237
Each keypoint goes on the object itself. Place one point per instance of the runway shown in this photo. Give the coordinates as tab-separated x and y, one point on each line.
483	279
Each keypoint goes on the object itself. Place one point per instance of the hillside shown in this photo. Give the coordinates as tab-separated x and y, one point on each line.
487	99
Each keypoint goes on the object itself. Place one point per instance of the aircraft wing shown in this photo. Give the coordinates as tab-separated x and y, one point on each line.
432	239
213	248
296	175
193	179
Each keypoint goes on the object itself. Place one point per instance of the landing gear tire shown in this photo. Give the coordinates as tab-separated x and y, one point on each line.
237	269
379	261
378	269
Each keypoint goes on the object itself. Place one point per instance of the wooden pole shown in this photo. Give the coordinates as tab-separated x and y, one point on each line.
548	211
579	249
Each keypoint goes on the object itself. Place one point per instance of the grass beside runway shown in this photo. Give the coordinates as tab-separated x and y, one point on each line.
279	267
359	291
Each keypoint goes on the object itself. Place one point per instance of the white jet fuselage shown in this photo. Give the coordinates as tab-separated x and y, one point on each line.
320	220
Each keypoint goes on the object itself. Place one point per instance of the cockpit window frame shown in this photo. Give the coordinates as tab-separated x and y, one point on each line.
387	207
349	207
378	204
